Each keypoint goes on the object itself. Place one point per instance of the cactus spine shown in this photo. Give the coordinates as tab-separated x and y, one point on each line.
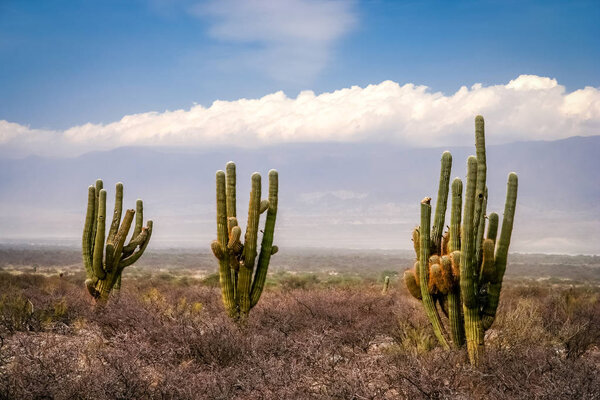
241	284
463	273
104	264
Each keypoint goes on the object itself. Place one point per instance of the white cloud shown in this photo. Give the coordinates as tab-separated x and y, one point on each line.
291	40
527	108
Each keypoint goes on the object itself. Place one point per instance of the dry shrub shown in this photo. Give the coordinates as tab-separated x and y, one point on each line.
163	339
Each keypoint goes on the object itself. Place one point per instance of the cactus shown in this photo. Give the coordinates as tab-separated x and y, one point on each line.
241	284
461	270
386	285
104	264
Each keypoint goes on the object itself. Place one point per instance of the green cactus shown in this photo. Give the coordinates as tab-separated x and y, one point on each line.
386	285
241	284
104	264
464	272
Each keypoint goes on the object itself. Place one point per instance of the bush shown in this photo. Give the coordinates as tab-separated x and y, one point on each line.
161	339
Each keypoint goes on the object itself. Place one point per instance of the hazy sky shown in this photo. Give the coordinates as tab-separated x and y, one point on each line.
72	72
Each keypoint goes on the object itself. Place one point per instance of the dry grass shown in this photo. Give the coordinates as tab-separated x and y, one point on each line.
167	338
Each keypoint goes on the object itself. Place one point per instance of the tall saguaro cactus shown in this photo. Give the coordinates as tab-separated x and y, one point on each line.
460	271
242	282
104	264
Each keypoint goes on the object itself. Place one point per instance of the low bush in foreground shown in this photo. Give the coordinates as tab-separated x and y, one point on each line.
164	339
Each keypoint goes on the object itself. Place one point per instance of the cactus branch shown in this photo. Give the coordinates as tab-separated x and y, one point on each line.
428	303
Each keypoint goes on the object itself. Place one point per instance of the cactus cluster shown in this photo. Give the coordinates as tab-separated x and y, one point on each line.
460	270
104	264
241	283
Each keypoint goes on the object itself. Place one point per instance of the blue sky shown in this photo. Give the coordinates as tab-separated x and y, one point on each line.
67	63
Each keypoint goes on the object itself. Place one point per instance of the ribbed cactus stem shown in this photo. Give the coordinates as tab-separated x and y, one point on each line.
139	218
222	238
99	185
441	203
481	173
488	266
455	312
467	265
97	264
386	285
428	303
481	230
87	246
468	283
455	216
266	248
230	191
492	227
489	312
455	317
120	237
250	242
114	226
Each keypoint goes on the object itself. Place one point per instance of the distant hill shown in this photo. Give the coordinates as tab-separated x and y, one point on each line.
360	195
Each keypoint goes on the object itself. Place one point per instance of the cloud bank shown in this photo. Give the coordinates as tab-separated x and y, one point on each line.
527	108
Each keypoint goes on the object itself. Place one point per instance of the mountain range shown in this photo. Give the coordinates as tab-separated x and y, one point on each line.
350	195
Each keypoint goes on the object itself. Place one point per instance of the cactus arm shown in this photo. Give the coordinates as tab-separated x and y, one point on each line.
455	311
489	312
98	187
105	285
488	267
468	287
139	219
441	203
230	189
222	238
136	238
467	265
455	216
87	246
481	174
97	260
146	233
481	230
492	227
132	245
416	241
250	242
412	284
430	308
119	239
114	226
231	202
266	248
